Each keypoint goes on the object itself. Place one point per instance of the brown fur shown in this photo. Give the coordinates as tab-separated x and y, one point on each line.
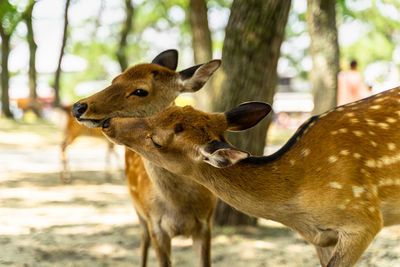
167	205
338	184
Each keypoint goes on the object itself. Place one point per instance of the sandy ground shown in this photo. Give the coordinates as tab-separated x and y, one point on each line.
91	222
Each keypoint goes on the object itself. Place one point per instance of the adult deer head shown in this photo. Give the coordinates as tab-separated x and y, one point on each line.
177	135
143	90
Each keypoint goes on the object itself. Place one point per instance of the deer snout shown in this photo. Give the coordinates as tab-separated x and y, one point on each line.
78	109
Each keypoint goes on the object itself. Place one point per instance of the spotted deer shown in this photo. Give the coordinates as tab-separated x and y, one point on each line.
72	131
336	181
167	204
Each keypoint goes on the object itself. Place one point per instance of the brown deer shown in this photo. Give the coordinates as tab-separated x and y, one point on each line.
167	205
73	130
336	181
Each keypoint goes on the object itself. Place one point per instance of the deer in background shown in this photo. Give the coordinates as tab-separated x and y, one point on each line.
336	181
166	204
73	130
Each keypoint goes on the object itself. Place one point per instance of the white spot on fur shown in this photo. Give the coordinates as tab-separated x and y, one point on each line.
358	133
386	160
332	159
335	185
391	146
376	107
341	206
383	125
343	130
374	144
371	133
334	132
292	161
344	152
380	99
340	109
305	152
370	122
387	182
370	163
371	209
354	120
356	155
391	120
357	190
349	114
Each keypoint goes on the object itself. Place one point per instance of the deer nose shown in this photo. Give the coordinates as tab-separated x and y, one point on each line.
78	109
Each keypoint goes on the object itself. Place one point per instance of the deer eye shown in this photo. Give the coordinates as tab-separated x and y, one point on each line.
155	144
178	128
140	93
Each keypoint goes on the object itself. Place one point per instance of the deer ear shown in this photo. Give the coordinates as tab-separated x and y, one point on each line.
168	59
194	78
221	155
246	115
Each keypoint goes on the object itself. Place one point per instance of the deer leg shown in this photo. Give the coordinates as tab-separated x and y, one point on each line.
324	254
145	242
110	148
351	246
162	244
202	243
64	173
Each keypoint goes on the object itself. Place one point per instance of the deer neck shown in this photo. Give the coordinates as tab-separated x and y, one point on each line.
263	190
174	188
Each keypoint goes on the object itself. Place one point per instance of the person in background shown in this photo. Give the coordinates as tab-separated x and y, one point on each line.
351	86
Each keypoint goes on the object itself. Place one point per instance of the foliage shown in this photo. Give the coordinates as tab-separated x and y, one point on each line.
9	17
382	31
377	40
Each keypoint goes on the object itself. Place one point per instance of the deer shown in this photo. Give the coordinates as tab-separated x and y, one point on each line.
73	130
166	204
336	181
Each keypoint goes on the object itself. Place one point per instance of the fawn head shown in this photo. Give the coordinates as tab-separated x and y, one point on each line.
143	90
178	136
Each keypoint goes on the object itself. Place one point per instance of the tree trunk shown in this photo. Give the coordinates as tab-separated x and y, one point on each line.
202	45
250	55
32	58
201	35
321	21
58	71
126	29
5	76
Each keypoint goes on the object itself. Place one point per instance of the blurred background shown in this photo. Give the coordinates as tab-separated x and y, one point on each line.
295	55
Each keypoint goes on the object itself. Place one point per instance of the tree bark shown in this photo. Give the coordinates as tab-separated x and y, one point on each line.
250	54
32	57
126	29
5	75
321	21
58	71
201	35
202	45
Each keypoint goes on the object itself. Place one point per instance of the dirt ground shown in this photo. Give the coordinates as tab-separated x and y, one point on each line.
91	221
